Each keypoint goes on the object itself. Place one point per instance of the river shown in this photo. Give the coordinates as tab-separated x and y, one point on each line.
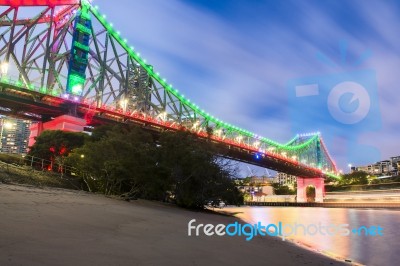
383	248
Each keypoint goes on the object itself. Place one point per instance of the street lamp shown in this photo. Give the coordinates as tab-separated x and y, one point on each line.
4	68
163	116
124	104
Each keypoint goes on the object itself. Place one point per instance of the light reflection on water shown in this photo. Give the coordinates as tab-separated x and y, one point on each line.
369	250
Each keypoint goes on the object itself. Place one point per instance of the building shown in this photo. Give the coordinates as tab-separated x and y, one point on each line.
382	167
14	135
385	167
395	165
257	188
285	179
398	168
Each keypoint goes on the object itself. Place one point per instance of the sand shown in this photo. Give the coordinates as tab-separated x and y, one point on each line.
63	227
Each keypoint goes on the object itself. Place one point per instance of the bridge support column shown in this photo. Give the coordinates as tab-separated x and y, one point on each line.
316	182
64	123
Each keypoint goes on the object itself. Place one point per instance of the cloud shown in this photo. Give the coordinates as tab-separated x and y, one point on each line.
239	72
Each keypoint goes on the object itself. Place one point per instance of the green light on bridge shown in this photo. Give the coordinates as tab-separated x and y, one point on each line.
76	83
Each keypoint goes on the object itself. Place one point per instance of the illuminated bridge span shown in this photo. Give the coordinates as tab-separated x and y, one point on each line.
67	65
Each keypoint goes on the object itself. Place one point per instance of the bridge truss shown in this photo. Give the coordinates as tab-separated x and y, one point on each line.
68	59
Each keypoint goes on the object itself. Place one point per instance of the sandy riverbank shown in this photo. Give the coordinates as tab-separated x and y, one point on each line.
63	227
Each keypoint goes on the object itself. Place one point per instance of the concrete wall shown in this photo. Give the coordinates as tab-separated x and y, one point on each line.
316	182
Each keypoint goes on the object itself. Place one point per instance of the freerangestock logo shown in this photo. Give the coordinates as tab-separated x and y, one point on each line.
282	230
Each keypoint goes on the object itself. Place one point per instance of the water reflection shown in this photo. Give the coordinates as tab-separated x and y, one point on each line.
370	250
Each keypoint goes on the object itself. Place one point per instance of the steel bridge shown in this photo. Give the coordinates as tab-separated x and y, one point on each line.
62	58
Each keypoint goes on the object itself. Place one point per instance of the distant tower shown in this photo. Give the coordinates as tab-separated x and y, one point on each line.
139	89
14	135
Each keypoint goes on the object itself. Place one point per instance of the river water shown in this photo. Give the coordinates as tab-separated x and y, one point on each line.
383	248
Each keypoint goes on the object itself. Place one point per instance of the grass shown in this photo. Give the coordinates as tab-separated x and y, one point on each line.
12	171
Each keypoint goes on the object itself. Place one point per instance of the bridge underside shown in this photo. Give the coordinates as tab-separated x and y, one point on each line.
35	106
270	162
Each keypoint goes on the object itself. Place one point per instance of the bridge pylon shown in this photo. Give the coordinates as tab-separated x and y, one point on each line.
304	182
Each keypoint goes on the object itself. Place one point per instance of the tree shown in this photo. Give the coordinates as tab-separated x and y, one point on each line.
310	194
354	178
194	172
55	145
127	160
283	189
119	161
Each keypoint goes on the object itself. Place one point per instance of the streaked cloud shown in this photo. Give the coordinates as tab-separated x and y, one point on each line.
236	64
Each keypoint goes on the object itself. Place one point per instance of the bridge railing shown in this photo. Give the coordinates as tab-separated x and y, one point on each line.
37	163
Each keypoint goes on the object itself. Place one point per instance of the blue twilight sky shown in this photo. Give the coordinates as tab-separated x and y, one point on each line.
239	60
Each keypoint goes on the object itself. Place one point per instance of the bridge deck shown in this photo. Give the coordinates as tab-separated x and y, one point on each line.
23	103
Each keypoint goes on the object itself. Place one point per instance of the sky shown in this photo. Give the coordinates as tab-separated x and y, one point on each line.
242	61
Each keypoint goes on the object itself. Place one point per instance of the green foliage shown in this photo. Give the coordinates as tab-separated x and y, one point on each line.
11	158
17	174
119	161
127	160
101	132
247	180
310	194
56	143
130	161
354	181
354	178
330	179
194	171
283	189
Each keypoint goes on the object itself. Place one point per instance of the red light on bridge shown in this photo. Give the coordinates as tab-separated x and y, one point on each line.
52	3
